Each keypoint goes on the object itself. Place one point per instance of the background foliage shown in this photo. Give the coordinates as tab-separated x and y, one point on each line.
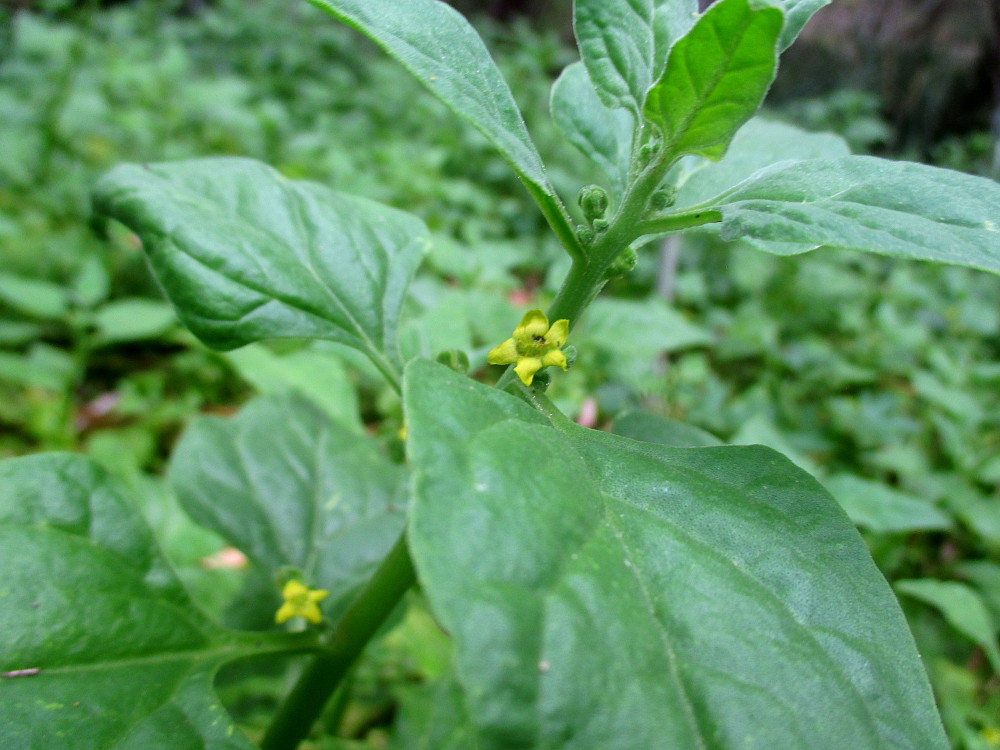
881	377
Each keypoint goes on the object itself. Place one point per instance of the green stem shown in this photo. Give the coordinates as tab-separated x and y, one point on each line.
323	675
558	219
389	370
587	275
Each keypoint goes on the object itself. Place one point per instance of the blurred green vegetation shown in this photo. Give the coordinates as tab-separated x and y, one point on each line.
881	377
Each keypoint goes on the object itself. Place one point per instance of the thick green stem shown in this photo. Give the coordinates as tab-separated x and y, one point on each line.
324	674
588	275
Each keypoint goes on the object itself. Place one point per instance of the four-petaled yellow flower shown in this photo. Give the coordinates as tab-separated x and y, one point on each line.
534	345
300	600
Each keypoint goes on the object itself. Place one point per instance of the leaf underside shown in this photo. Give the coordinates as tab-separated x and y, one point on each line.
616	45
900	209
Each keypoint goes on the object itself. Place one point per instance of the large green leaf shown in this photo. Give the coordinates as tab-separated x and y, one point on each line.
605	135
245	254
438	46
315	372
99	644
672	19
797	14
862	203
607	593
291	488
758	144
615	38
715	78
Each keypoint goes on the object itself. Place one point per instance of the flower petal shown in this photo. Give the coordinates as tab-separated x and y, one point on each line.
534	323
556	358
311	612
527	367
293	589
505	354
285	612
558	333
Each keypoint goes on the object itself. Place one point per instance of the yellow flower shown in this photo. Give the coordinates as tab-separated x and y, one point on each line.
534	345
300	601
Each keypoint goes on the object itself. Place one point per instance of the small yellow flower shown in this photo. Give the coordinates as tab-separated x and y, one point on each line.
300	600
534	345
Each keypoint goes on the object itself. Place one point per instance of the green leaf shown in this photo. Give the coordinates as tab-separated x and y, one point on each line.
438	46
883	509
99	645
962	607
630	337
245	254
615	38
124	320
892	208
92	283
650	428
290	488
434	717
985	576
43	366
604	135
715	79
607	593
18	333
758	144
315	372
672	19
797	14
34	297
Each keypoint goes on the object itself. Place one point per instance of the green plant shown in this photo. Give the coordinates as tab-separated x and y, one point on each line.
598	590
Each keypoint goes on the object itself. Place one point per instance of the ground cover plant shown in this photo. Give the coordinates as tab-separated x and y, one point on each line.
640	589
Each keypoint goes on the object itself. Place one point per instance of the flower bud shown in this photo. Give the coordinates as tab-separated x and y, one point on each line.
624	263
663	198
593	199
454	359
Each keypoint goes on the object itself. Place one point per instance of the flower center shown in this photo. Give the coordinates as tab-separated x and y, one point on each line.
535	346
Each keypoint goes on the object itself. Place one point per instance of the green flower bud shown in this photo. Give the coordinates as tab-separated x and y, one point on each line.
663	198
624	263
454	359
593	199
542	380
646	153
585	235
570	352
